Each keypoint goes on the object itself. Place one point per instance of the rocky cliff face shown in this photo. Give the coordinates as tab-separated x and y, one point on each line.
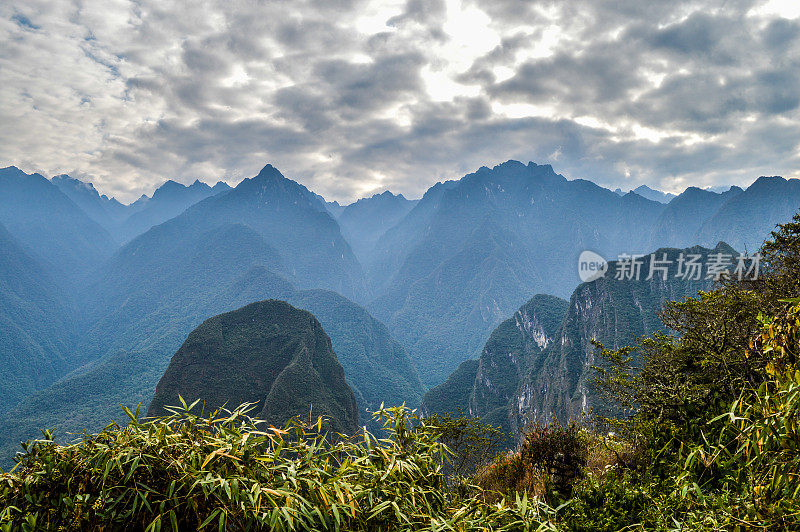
614	312
513	350
486	387
537	365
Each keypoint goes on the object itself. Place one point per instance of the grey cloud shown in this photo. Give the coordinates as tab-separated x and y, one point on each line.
480	71
584	80
781	34
697	102
159	91
369	87
430	14
700	34
201	58
778	92
420	11
307	107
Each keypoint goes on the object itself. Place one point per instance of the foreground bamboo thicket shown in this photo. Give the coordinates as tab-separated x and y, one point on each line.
228	471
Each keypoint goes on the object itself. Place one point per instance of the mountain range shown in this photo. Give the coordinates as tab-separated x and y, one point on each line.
649	193
52	227
97	296
473	250
366	220
124	222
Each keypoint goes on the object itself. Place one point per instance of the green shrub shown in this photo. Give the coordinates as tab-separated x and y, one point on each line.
472	444
611	502
228	471
560	450
757	454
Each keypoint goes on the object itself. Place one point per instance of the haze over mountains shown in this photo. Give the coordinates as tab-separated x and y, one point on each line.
366	220
37	324
55	230
124	222
537	364
647	192
97	296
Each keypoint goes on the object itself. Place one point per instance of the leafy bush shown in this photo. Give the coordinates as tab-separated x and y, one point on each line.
228	471
508	475
560	450
714	410
612	502
472	444
757	454
549	460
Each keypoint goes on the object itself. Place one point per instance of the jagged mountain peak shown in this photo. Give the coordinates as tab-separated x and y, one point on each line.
513	169
696	191
87	186
724	189
700	196
221	186
168	201
50	224
171	187
379	196
11	170
167	188
75	181
108	212
769	183
268	172
653	194
140	202
271	186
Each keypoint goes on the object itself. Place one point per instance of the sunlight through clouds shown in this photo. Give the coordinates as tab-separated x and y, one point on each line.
133	93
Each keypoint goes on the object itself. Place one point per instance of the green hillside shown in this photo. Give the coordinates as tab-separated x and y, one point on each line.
37	324
267	353
157	290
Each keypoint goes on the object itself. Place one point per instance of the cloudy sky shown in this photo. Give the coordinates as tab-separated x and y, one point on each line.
353	97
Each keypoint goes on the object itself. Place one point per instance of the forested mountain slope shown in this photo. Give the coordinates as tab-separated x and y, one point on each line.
51	226
267	353
38	325
473	250
537	366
